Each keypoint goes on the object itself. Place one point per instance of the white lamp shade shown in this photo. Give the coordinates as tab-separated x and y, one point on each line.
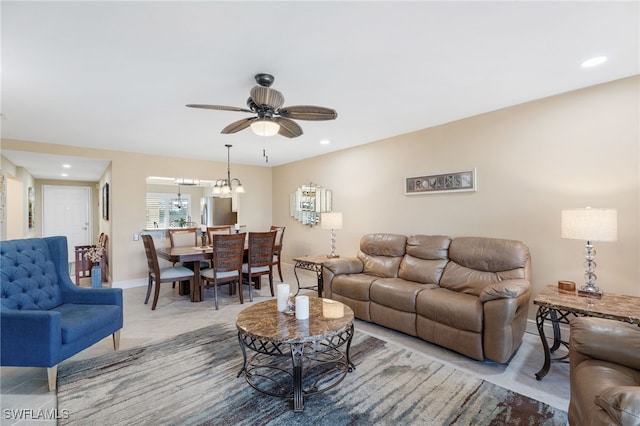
265	127
331	220
590	224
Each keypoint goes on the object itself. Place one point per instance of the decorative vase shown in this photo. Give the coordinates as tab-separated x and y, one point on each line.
96	276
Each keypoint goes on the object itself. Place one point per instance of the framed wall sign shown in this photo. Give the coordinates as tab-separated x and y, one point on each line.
442	182
105	201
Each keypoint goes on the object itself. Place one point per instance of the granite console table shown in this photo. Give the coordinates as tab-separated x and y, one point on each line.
559	306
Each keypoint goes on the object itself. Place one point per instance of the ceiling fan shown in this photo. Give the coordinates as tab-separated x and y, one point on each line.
270	116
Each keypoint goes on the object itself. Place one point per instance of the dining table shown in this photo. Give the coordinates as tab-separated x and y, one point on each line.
193	256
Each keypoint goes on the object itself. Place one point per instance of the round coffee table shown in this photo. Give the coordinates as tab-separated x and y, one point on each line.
295	358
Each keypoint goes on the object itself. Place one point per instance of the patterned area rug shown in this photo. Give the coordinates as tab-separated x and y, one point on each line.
191	380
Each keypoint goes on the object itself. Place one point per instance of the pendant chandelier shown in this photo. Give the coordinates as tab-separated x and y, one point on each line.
179	203
224	187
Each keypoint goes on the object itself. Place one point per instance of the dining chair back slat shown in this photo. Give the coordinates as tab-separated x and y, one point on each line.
260	258
187	237
228	251
217	230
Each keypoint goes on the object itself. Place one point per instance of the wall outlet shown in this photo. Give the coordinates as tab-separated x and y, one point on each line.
136	237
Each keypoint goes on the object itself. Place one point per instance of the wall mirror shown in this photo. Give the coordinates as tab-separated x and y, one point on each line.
308	202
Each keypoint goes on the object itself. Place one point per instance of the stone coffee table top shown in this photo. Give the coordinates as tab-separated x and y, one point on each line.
326	317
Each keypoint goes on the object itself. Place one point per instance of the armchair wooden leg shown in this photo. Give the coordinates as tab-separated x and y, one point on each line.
52	376
116	340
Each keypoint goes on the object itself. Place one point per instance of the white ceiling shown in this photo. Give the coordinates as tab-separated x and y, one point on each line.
117	75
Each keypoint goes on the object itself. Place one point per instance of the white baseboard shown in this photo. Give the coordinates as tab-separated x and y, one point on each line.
142	282
548	329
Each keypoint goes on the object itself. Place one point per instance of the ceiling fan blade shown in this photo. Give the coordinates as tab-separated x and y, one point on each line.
308	112
236	126
267	96
288	128
219	107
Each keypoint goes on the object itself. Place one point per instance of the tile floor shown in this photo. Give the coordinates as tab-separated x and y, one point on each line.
26	388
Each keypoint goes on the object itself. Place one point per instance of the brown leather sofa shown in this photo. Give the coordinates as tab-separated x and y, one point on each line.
604	372
468	294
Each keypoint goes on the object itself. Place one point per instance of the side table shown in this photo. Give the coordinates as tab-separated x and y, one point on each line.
560	307
310	263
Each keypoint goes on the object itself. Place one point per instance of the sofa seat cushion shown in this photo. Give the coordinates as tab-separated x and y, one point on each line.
458	310
80	320
397	293
353	286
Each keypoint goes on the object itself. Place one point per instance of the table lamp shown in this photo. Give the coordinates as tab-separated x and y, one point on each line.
332	221
590	225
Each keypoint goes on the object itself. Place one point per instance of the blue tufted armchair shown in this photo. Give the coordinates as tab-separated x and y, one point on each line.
44	317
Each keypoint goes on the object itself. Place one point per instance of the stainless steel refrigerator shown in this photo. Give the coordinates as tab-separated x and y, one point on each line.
217	211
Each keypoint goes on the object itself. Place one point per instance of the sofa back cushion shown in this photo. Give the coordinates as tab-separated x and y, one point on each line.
425	258
381	254
476	262
28	276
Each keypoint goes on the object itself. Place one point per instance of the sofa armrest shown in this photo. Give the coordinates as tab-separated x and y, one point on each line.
604	339
92	296
508	289
344	265
339	266
30	338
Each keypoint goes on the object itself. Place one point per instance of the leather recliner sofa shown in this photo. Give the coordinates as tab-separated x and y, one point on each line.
468	294
604	373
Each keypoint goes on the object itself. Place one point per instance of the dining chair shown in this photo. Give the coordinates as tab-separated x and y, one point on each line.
217	230
159	275
186	237
277	248
228	251
259	259
183	237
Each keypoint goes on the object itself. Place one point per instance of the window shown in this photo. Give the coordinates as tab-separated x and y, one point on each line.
167	210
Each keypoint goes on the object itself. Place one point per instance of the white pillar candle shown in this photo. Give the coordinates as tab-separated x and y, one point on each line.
332	309
282	295
302	307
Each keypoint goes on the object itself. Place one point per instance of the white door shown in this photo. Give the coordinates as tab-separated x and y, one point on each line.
66	211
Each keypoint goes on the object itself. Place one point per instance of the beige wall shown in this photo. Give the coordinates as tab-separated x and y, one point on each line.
574	150
127	180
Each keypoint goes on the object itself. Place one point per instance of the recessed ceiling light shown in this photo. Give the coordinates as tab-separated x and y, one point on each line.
64	175
325	142
594	61
66	166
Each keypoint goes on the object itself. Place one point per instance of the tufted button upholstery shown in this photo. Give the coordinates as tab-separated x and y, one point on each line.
27	275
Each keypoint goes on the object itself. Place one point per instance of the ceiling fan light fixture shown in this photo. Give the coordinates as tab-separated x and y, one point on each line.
265	127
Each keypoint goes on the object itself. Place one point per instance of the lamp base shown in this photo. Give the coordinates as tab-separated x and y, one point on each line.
586	291
332	256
